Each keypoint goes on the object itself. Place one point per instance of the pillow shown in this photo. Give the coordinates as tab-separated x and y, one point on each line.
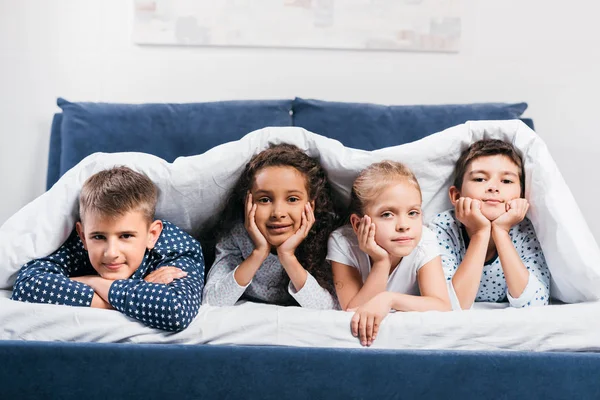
372	126
165	130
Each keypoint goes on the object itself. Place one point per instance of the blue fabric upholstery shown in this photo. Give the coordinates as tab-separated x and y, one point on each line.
104	371
373	126
173	130
165	130
54	152
528	122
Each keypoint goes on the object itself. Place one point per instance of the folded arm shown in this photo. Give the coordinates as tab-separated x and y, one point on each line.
170	306
47	279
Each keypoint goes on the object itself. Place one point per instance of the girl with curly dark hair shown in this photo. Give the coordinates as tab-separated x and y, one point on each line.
272	236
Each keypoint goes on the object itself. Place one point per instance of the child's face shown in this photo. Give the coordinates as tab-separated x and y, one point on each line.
280	195
398	219
492	179
116	246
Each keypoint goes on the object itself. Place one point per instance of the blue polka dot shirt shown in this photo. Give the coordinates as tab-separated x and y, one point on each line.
453	241
170	306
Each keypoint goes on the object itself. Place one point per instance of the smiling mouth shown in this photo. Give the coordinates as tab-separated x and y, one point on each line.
493	201
402	240
278	228
113	267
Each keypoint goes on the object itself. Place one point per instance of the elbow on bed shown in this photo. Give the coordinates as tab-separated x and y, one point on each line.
445	305
210	298
20	292
181	326
182	313
215	302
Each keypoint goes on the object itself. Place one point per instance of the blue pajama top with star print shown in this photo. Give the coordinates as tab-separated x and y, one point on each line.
453	241
165	306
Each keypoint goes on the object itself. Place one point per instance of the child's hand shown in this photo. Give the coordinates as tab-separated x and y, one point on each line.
81	279
366	240
100	285
289	246
367	318
468	212
260	243
515	213
165	275
97	301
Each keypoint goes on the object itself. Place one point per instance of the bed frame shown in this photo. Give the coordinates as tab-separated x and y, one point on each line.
34	369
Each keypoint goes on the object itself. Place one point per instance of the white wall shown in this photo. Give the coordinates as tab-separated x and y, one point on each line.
544	52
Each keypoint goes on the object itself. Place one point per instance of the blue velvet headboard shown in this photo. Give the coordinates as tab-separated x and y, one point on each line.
173	130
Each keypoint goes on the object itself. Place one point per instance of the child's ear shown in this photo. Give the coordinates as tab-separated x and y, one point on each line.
81	233
355	222
154	232
454	194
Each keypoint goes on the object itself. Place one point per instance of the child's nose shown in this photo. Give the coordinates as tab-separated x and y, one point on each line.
111	250
278	210
402	224
493	187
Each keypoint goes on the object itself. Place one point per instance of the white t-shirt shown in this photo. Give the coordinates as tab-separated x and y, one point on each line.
343	247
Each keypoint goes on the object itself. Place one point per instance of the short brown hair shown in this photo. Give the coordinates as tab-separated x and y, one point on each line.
116	191
372	180
484	148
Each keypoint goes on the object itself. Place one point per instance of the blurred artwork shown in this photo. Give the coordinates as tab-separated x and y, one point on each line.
403	25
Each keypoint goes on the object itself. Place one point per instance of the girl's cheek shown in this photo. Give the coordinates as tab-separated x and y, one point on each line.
259	216
378	232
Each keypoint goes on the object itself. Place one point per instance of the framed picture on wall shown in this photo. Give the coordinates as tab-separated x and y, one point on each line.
397	25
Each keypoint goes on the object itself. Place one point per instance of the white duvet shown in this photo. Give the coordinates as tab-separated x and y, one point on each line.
193	188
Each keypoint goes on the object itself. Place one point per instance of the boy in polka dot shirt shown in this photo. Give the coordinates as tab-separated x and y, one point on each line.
490	251
119	257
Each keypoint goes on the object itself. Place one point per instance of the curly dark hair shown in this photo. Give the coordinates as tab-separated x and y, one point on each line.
311	253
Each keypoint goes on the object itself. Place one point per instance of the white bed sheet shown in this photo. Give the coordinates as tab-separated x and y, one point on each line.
567	327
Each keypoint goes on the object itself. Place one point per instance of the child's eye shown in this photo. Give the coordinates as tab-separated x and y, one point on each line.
478	179
293	199
98	237
387	214
414	213
264	200
126	235
507	181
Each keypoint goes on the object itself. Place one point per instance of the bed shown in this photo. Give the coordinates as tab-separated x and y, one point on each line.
264	351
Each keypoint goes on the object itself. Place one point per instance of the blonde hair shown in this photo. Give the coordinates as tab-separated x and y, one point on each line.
116	191
372	180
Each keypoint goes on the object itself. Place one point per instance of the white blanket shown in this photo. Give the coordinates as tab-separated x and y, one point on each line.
566	327
193	188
